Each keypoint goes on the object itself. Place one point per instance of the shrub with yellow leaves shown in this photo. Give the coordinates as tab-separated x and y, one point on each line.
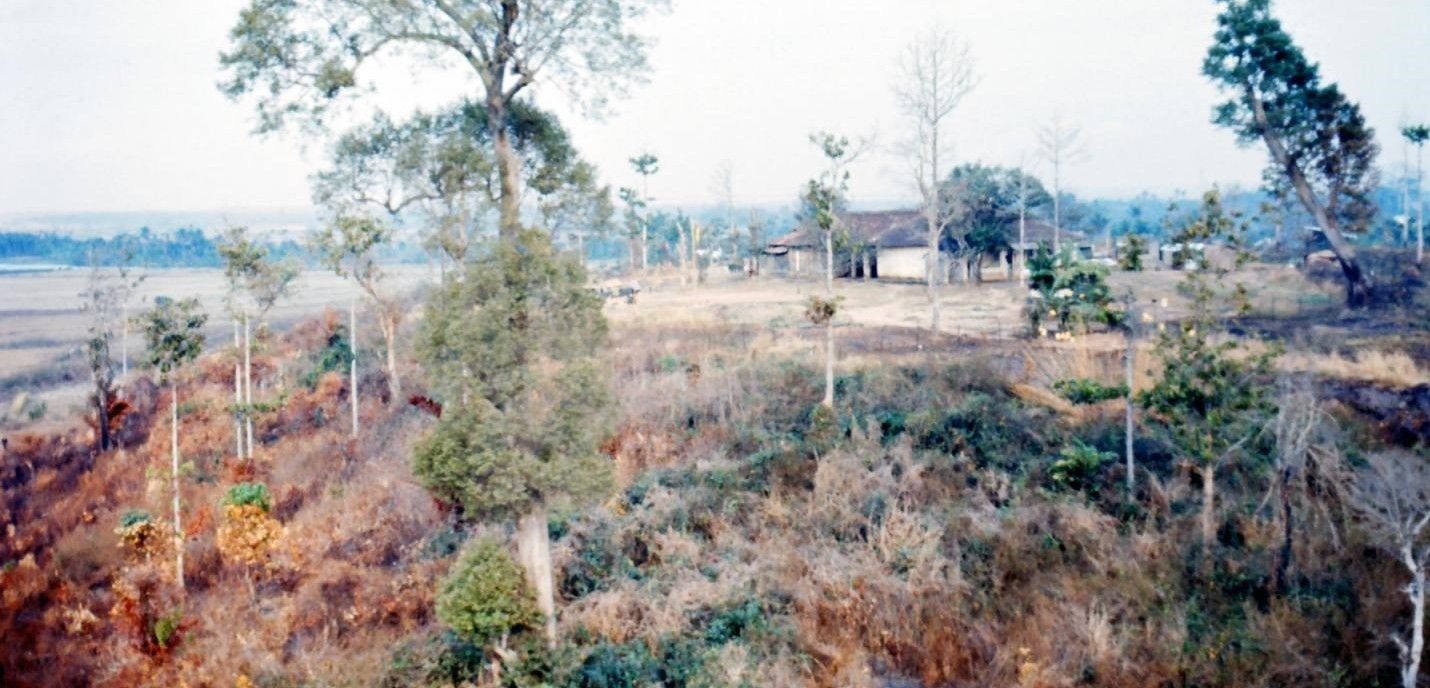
248	533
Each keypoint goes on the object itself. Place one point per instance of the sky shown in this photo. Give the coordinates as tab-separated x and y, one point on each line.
111	105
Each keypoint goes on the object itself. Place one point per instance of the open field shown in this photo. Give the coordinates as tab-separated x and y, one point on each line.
42	326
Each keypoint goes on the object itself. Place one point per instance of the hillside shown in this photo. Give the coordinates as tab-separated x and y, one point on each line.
934	531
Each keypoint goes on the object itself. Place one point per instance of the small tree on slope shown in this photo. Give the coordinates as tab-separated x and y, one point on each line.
172	330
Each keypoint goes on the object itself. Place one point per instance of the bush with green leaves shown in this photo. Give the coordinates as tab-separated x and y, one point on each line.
485	596
249	494
1072	291
1088	391
1077	465
1130	258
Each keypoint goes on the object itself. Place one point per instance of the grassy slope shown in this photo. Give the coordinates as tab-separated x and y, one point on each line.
918	539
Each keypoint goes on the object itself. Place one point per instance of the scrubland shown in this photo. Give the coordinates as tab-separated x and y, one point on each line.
933	532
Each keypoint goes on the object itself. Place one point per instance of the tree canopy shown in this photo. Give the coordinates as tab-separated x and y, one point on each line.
1319	143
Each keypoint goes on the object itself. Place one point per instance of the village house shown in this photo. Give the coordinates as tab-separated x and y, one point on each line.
893	245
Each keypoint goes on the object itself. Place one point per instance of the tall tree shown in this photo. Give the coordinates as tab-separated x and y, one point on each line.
645	165
1319	143
1060	144
935	74
1212	397
441	166
1418	134
992	200
513	349
301	60
103	299
824	198
348	244
256	284
172	330
722	185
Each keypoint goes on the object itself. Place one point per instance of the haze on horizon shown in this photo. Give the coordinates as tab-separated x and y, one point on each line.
113	106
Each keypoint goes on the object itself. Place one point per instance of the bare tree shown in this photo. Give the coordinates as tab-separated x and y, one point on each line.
936	73
1060	144
722	185
645	165
1393	493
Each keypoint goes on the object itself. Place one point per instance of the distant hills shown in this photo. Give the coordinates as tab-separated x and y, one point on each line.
276	223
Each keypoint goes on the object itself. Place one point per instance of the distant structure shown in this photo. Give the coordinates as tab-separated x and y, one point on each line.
892	245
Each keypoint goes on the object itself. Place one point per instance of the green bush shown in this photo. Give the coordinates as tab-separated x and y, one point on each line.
1086	391
244	494
485	595
134	517
1076	466
336	355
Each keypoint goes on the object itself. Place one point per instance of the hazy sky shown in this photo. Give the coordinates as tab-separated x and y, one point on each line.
111	104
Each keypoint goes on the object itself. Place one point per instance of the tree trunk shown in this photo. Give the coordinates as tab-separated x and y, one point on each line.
1288	525
1357	287
174	483
352	350
248	387
1208	508
508	166
101	410
237	392
645	254
1131	361
1410	655
1419	204
1057	207
534	548
389	336
828	400
931	267
829	261
865	256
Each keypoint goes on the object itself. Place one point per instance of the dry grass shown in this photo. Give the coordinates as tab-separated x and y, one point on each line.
1390	368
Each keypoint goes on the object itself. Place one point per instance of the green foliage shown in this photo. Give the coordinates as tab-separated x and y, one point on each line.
1072	290
485	597
1130	257
1088	391
173	331
336	355
166	628
134	517
1212	396
249	494
512	349
1077	465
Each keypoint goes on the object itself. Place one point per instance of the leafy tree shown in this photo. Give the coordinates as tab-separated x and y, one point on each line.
1212	398
1073	290
173	331
443	166
348	244
992	201
512	350
1319	143
644	165
1130	259
301	60
484	597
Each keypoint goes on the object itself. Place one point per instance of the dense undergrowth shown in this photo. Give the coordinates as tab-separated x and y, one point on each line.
938	529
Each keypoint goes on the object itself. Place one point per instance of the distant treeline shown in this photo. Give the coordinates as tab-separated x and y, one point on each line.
188	247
